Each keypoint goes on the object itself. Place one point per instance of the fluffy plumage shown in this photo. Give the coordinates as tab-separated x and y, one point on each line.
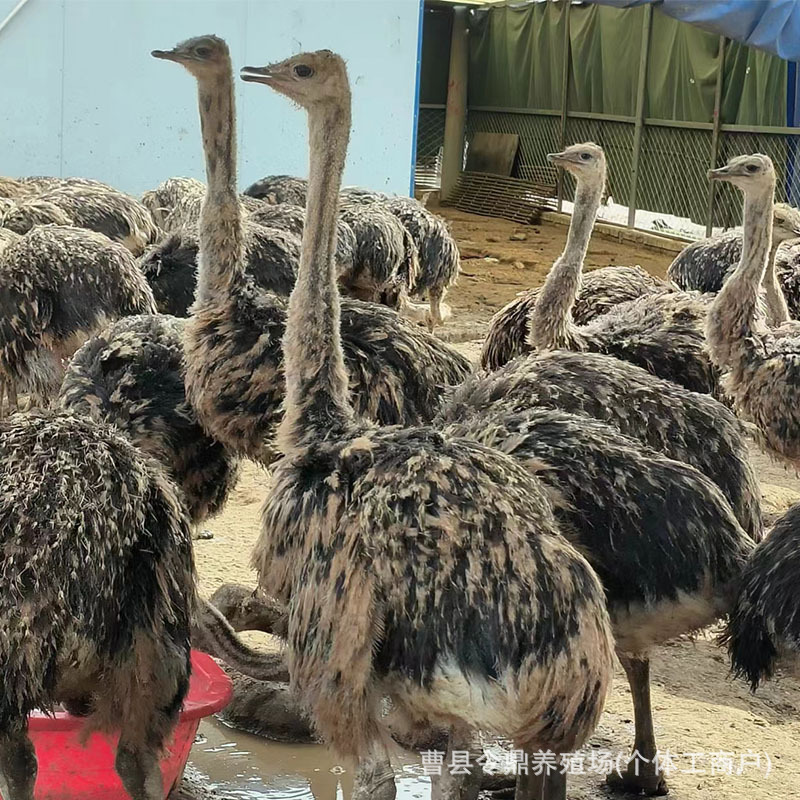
600	291
59	285
117	215
96	592
766	616
704	266
31	211
169	194
662	333
131	376
170	265
683	425
416	565
276	189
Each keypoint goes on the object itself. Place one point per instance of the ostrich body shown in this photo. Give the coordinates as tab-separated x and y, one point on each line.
601	290
120	217
7	237
96	594
57	287
131	375
787	269
765	619
704	266
275	189
170	265
187	210
364	527
169	194
763	370
662	333
234	357
661	537
291	218
685	426
28	212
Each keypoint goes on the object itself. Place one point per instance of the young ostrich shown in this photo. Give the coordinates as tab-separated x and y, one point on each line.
765	620
169	194
416	565
787	267
131	375
28	212
120	217
170	265
663	333
96	594
601	290
234	357
682	425
661	537
704	266
276	189
763	371
57	287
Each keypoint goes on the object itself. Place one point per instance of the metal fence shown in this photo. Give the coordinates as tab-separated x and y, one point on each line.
656	167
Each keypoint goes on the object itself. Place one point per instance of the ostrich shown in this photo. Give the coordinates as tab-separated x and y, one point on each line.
233	340
58	286
13	188
276	189
601	290
682	425
787	268
168	194
704	266
663	333
170	265
394	547
96	594
661	537
7	237
105	210
763	372
131	375
28	212
187	210
765	619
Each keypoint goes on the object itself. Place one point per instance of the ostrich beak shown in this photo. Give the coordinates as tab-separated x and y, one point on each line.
720	174
258	75
557	158
166	55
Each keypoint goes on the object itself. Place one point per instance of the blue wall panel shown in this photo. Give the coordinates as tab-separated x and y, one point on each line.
82	96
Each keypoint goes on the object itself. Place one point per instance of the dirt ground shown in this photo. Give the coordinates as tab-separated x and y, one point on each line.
698	708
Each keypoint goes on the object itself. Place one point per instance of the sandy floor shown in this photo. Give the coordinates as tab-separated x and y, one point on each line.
698	708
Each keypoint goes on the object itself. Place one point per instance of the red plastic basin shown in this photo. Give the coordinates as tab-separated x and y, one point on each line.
68	771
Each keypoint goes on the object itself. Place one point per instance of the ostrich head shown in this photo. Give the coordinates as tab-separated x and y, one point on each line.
786	222
752	174
309	79
587	162
202	55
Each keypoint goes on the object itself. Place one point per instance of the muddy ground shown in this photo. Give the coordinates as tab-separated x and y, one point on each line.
698	708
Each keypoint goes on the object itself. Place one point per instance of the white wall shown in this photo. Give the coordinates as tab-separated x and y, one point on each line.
81	95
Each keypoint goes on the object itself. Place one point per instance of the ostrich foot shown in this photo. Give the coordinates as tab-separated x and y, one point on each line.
648	782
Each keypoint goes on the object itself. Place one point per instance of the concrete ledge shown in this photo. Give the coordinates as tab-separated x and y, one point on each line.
667	244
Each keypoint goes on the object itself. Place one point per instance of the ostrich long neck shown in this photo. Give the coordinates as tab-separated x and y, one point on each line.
777	308
221	259
317	401
731	319
551	320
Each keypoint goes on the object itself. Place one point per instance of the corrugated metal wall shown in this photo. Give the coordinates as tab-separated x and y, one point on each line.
80	94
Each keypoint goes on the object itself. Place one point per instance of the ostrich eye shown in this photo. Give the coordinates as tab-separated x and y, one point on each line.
202	51
303	71
586	156
752	168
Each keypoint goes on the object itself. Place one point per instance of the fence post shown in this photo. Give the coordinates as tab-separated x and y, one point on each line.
455	118
564	102
712	185
639	129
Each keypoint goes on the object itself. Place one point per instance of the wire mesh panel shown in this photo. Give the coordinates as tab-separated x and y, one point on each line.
616	139
672	172
430	138
539	134
783	149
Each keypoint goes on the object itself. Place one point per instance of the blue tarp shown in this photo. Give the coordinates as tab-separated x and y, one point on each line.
771	25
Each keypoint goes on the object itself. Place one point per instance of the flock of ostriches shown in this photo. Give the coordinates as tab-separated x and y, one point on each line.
474	548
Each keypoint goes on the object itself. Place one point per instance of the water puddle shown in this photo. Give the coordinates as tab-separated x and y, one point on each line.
247	767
